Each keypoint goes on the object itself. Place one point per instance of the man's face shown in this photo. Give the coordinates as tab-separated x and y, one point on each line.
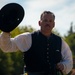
47	23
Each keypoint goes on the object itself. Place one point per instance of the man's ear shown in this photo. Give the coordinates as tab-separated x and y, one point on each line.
54	24
39	23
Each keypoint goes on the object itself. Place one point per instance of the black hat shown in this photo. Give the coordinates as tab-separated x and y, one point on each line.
10	16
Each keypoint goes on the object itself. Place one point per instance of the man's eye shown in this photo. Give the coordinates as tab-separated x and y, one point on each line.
50	21
47	21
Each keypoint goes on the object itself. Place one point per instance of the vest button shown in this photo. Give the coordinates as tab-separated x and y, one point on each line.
47	52
49	63
47	56
47	44
47	48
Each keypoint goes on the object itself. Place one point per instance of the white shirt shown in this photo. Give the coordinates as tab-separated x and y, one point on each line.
23	42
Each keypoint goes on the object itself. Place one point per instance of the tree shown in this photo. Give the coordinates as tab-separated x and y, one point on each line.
71	41
5	64
71	29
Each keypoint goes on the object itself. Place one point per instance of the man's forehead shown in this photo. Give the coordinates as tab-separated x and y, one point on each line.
47	16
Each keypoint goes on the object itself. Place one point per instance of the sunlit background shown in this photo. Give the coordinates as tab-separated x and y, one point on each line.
64	11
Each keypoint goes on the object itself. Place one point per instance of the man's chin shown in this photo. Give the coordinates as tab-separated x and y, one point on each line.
48	30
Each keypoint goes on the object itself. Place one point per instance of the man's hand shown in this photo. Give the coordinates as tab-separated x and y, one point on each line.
60	66
73	72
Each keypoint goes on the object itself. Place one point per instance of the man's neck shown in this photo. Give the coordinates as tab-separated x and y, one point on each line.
47	34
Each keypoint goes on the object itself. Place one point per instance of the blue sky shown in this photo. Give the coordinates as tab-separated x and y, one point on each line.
64	11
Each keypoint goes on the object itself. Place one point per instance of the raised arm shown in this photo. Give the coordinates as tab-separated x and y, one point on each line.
21	42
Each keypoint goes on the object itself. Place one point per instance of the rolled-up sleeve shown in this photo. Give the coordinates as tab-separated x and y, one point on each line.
67	59
21	42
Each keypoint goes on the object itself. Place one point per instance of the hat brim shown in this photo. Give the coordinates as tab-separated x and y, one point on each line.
10	16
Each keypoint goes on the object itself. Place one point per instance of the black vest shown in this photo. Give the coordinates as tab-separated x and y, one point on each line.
44	53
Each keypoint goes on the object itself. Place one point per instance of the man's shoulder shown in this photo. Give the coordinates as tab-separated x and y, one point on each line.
55	35
57	38
24	34
34	33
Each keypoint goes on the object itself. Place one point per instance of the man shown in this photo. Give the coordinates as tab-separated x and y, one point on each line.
44	52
